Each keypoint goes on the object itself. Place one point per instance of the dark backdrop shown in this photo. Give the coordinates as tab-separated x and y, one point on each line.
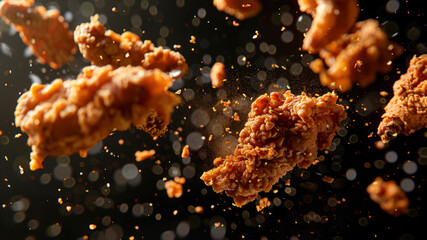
36	205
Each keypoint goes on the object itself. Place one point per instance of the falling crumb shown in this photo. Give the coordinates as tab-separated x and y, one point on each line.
218	74
114	9
21	169
185	152
380	145
288	182
142	155
263	203
179	180
383	93
236	24
175	212
18	135
236	117
327	179
193	40
176	46
92	226
121	141
315	162
199	209
174	187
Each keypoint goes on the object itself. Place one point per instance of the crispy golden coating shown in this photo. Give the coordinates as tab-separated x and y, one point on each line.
103	47
407	110
71	116
218	74
331	19
282	131
389	196
45	32
356	57
240	9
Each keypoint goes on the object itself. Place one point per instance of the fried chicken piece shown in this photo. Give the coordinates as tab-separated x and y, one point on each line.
45	32
282	131
331	19
218	74
356	57
72	116
240	9
103	47
407	110
389	196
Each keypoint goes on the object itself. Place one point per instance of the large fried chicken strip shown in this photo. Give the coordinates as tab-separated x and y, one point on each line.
407	110
389	196
356	57
103	47
72	116
45	32
282	131
331	19
240	9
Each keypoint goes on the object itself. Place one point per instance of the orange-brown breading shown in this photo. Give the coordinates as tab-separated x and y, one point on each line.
45	32
142	155
240	9
185	152
389	196
174	187
331	19
407	110
218	74
263	203
356	57
72	116
283	130
103	47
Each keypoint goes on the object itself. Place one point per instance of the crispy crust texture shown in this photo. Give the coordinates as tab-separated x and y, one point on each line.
389	196
240	9
45	32
103	47
356	57
282	131
407	110
331	19
71	116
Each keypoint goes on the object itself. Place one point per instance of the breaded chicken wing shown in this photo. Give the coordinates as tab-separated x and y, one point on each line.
407	110
356	57
331	19
282	131
45	32
71	116
103	47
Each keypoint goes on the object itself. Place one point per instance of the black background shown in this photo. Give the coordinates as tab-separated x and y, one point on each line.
357	217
